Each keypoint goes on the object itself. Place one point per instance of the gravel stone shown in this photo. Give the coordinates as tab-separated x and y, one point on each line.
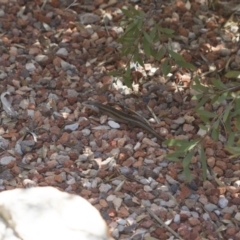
210	207
6	160
222	202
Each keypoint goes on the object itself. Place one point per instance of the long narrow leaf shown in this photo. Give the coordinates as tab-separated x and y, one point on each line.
147	37
200	88
201	103
233	74
131	26
215	134
183	145
226	112
185	64
186	163
175	156
223	97
204	162
218	84
146	48
159	55
176	56
231	138
206	113
166	68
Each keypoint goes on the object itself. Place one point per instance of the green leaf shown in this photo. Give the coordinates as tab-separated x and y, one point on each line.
185	64
177	57
127	40
233	150
152	33
231	138
159	55
127	13
214	99
218	84
166	30
206	114
146	48
186	163
227	125
200	88
197	96
147	37
126	51
237	123
131	26
137	58
201	103
204	162
176	156
140	24
215	134
127	78
226	112
233	74
237	103
223	97
166	69
183	145
114	73
204	127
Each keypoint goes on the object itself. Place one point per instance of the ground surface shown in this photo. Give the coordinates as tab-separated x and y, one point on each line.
54	56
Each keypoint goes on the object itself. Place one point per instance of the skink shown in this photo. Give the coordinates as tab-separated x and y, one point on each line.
121	117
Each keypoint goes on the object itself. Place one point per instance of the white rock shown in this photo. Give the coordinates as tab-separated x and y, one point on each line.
2	13
195	214
121	228
237	216
145	203
6	160
105	187
113	124
147	188
121	221
3	143
237	183
59	216
30	113
110	198
30	67
175	46
72	93
115	233
41	58
222	202
62	51
176	218
201	132
71	181
117	202
180	120
206	216
24	103
71	127
3	75
67	66
145	181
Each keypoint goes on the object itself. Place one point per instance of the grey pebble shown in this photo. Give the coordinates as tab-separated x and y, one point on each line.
222	202
210	207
